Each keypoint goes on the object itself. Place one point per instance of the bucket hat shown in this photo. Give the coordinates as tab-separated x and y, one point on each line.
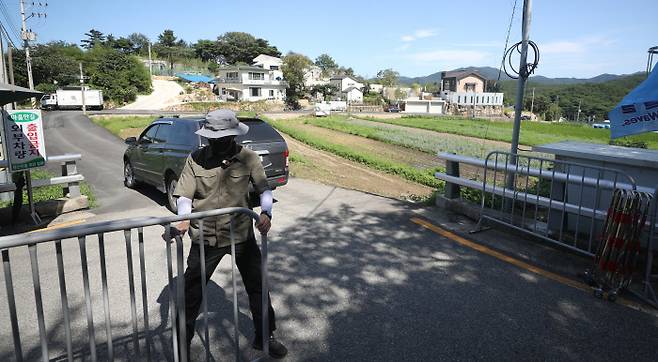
221	123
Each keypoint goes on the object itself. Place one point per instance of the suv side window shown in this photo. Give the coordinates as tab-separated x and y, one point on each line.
163	133
149	134
183	134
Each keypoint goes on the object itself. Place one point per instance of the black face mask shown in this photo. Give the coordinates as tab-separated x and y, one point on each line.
221	146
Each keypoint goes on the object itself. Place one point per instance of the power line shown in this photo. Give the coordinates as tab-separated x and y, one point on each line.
12	26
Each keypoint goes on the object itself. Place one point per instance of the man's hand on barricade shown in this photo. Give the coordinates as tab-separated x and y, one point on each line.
180	229
264	224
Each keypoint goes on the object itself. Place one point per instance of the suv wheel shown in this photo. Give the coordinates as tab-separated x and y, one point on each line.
129	175
171	199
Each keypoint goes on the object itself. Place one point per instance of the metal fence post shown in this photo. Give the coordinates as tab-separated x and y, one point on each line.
72	189
452	190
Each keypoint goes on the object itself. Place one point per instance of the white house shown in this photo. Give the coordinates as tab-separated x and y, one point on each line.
467	88
344	82
353	95
313	77
261	81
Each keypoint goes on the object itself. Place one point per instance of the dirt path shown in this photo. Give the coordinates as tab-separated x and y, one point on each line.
329	169
165	93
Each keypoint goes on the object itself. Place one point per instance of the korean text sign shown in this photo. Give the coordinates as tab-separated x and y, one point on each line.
24	140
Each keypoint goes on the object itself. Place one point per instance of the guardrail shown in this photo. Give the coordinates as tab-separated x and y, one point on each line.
13	245
70	176
561	202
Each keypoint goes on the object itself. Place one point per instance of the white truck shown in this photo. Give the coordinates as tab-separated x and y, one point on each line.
71	98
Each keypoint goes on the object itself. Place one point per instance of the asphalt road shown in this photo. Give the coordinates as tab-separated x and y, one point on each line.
102	160
352	279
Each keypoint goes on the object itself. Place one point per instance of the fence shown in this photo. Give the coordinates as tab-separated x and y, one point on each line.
14	246
70	176
564	203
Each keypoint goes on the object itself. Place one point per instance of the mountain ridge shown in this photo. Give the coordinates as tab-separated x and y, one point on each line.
491	73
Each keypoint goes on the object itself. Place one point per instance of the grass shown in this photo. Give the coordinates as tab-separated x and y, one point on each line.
532	133
116	124
51	192
419	141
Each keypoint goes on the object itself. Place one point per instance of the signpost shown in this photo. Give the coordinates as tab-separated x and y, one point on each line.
25	146
25	142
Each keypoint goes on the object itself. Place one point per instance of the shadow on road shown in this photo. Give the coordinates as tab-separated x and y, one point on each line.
349	284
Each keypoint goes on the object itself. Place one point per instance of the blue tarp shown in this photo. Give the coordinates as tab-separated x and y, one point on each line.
638	111
196	78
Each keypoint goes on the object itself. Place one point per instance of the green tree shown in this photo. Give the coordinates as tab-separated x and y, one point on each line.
293	68
235	47
553	113
51	62
140	43
171	48
94	38
400	94
431	87
206	50
327	91
388	77
327	64
120	76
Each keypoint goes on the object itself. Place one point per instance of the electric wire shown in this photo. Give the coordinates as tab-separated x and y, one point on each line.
530	67
11	25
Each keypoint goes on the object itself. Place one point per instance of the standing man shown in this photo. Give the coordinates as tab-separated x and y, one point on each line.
217	176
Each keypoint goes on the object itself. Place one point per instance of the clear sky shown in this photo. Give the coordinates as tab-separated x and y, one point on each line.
577	38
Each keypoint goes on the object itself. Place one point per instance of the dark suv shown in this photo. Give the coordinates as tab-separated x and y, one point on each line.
158	155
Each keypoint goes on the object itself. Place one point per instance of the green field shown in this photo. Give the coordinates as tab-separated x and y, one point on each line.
410	138
532	133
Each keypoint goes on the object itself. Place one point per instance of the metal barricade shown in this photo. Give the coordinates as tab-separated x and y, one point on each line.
558	201
13	245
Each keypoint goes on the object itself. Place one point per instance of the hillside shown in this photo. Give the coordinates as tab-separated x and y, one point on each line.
597	98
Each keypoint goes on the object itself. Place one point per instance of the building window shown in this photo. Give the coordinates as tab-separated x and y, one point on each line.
274	67
231	76
477	99
254	91
271	92
256	76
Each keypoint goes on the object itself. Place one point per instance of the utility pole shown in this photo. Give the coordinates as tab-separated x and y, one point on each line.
523	76
532	103
578	114
82	89
27	36
150	61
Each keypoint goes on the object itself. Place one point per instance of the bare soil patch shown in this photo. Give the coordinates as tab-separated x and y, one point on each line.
329	169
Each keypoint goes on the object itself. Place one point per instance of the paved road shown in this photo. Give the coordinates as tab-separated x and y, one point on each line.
102	160
353	279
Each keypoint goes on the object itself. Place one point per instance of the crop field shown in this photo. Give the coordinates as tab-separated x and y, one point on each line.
532	133
414	138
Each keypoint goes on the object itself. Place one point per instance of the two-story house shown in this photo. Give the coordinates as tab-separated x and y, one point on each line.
261	81
350	89
464	92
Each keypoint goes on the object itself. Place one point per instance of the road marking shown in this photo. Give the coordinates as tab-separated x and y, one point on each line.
58	226
521	264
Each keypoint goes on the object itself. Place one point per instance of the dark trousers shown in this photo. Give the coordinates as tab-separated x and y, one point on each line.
248	261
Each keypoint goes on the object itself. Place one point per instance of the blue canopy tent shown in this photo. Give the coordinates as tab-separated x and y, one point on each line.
195	78
638	111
